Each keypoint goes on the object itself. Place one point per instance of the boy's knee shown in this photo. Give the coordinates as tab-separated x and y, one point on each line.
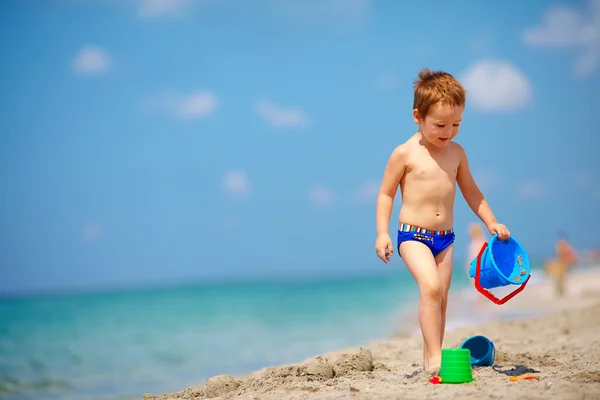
432	291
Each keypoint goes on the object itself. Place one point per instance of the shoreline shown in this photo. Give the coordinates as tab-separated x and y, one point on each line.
556	337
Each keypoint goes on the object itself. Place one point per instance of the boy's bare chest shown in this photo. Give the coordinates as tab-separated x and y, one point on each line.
436	170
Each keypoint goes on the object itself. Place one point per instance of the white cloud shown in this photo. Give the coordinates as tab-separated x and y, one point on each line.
236	183
199	104
531	189
368	191
281	117
91	232
91	61
565	27
496	85
321	196
160	8
331	13
340	12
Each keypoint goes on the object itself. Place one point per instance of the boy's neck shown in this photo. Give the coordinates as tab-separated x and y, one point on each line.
429	146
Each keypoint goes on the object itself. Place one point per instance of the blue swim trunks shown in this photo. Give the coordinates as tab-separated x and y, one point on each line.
437	241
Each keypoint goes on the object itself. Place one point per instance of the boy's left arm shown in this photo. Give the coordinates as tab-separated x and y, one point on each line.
475	199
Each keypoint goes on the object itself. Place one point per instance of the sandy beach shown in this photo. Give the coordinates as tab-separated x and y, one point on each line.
560	345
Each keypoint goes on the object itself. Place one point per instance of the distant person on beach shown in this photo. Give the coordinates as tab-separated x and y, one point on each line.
558	268
427	168
477	239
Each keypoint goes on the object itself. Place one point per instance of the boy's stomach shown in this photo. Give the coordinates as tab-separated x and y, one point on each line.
427	216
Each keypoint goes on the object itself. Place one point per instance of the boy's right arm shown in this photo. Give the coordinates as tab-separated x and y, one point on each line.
392	175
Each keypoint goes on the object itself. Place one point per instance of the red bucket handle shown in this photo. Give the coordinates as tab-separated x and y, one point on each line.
486	292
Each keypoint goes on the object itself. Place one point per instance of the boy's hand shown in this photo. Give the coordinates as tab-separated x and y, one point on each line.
384	247
500	229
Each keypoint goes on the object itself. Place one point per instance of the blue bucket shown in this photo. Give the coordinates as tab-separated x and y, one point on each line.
503	262
483	352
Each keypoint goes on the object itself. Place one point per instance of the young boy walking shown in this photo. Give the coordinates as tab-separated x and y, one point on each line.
427	168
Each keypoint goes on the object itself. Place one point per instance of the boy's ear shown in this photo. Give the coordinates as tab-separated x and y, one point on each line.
417	117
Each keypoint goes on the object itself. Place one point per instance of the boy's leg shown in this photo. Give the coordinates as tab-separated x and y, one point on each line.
422	266
445	262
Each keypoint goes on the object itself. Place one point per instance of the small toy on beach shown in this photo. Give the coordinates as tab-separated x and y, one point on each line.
500	263
526	377
482	350
456	366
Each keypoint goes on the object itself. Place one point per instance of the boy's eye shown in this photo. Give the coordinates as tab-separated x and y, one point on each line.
456	124
440	125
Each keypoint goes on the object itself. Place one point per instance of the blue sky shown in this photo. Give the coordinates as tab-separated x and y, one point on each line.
157	141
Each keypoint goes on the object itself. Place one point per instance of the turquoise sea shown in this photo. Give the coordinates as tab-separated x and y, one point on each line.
117	345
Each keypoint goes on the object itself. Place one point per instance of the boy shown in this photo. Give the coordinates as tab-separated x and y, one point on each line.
427	167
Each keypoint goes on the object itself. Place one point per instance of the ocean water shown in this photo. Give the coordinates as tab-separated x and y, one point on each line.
119	345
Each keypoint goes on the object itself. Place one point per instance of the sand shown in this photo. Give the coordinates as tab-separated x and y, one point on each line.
560	346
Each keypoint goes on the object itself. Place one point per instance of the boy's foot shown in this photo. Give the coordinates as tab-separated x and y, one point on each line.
433	371
433	367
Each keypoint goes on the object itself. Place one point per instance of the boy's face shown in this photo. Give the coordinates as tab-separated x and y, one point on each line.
441	124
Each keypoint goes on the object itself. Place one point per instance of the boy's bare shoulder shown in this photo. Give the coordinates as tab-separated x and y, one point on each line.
455	146
403	150
399	159
458	150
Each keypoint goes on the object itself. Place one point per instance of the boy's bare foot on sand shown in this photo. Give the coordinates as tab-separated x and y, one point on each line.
433	366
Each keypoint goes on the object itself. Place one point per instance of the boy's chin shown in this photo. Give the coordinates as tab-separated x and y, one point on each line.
437	142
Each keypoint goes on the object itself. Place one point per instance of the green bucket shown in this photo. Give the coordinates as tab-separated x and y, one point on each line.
456	366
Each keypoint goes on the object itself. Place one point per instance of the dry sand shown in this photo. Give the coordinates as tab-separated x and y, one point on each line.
561	348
